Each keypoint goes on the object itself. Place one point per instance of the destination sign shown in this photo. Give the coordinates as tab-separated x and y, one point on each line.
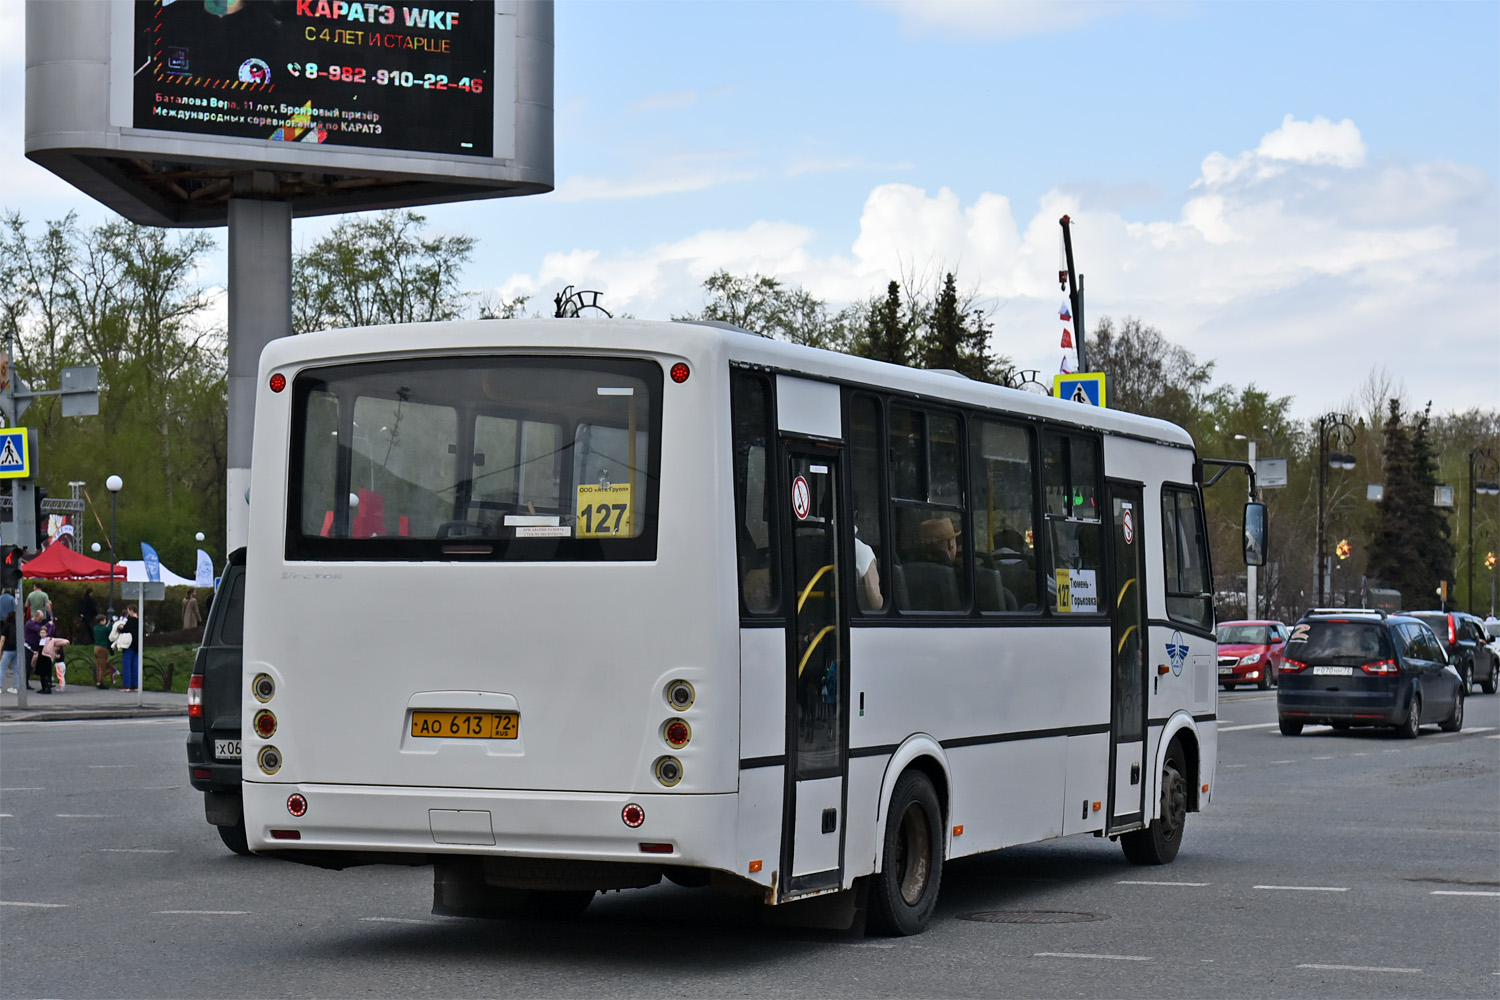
405	77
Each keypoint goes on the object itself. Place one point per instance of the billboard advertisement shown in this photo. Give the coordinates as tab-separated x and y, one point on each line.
416	78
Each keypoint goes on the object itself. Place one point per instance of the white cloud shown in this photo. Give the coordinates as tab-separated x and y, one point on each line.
1296	265
694	171
986	19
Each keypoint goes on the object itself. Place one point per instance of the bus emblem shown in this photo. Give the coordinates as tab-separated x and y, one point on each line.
1177	652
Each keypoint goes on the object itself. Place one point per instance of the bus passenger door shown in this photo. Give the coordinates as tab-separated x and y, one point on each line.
1127	730
817	675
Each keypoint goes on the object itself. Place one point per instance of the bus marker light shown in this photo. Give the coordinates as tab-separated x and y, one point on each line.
680	695
1098	806
1162	668
677	733
269	759
679	373
263	688
656	848
265	724
286	834
1205	788
296	804
633	815
278	382
958	831
668	770
755	866
195	697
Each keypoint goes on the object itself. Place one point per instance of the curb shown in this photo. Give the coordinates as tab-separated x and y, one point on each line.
75	714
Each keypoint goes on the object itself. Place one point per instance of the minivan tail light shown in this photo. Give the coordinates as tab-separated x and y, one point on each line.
1382	667
195	696
1452	632
1291	666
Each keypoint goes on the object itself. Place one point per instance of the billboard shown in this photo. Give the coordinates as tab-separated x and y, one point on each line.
379	76
165	110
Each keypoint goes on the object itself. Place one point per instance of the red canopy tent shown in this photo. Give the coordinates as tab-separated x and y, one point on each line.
58	562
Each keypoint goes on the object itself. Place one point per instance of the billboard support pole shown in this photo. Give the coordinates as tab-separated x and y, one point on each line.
260	310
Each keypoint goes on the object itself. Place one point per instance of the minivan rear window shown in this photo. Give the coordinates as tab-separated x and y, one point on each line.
1439	626
1339	642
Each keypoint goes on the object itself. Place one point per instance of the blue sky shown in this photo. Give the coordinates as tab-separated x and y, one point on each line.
1302	192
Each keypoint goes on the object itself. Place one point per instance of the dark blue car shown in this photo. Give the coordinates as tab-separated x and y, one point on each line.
1366	668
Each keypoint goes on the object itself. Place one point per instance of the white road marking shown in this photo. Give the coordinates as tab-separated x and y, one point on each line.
1322	758
398	920
208	913
1463	892
134	850
1256	725
45	906
1283	762
1353	968
1143	882
1362	753
1072	954
6	816
37	789
101	767
73	723
1481	729
1306	888
1236	765
87	816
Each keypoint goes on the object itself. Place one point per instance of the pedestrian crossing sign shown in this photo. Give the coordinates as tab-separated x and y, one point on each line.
1080	387
15	457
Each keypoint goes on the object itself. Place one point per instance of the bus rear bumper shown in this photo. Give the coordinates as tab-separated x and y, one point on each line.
362	821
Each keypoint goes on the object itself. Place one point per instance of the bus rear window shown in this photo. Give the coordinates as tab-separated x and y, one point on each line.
517	458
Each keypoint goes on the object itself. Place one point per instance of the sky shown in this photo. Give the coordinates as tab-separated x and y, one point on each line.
1302	193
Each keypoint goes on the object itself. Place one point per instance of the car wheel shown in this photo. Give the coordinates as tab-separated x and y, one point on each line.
1468	676
1488	684
1290	727
1412	724
1227	687
1159	842
234	837
904	892
1265	680
1455	722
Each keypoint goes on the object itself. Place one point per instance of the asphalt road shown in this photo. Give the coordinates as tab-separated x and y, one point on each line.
1329	865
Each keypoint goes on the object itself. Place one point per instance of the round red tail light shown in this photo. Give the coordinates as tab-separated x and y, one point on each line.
633	815
296	804
265	724
677	733
680	373
278	382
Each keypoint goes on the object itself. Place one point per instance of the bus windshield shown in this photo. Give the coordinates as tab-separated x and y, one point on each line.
502	457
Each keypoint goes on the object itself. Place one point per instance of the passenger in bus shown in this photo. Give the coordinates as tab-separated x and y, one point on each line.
932	566
1017	572
866	570
939	541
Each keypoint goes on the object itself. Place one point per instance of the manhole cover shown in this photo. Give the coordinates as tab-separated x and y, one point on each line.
1034	917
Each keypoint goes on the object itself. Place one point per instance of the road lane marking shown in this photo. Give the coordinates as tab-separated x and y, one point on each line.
398	920
1283	762
87	816
135	850
1463	892
1236	765
1074	954
207	913
45	906
1354	968
1322	758
37	789
1256	725
101	767
1144	882
6	816
1306	888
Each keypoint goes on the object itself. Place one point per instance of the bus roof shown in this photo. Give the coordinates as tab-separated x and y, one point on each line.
711	342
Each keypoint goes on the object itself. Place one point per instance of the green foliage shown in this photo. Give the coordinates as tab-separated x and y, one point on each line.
888	335
956	339
1410	548
767	306
381	268
1147	373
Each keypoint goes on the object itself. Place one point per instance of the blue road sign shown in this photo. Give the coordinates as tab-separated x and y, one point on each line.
1080	387
15	456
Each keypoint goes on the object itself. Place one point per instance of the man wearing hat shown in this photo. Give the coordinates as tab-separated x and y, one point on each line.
939	541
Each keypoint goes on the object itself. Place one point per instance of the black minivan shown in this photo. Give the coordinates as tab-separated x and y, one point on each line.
1349	668
213	743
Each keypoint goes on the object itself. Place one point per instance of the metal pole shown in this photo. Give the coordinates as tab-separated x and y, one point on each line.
1322	486
1075	291
140	643
1251	603
114	498
1470	568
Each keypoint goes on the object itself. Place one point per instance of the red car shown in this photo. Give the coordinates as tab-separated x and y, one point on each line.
1250	652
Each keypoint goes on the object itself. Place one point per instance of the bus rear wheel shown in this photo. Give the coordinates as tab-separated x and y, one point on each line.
1158	843
904	892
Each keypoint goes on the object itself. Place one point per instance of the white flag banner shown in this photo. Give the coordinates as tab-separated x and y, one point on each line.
204	577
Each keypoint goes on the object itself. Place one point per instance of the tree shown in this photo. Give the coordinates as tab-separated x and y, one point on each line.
1148	374
956	339
887	336
771	308
1410	548
382	268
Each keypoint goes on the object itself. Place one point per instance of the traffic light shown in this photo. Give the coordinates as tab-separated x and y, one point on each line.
38	494
10	566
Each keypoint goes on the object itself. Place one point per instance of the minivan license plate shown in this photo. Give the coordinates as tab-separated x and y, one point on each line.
1333	671
227	749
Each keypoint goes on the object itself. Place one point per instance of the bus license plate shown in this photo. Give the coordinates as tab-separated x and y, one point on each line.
467	725
1334	671
227	749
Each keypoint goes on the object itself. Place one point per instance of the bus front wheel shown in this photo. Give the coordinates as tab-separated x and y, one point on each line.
905	890
1158	843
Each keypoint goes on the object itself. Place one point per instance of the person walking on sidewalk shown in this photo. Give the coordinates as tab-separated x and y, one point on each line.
190	618
50	662
104	674
34	636
38	600
122	637
9	664
88	610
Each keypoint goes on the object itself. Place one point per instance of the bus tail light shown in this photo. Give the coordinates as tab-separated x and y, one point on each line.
677	733
265	724
1291	666
296	804
195	696
656	848
668	770
1382	668
680	373
633	814
286	834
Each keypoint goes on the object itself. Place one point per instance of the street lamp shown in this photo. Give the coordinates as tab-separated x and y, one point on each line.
1251	601
1481	463
115	484
1335	438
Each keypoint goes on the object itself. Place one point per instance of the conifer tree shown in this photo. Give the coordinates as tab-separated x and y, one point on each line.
1409	538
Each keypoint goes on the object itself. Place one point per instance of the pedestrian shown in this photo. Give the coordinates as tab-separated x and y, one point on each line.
190	617
88	610
8	662
38	600
104	675
35	629
54	647
122	637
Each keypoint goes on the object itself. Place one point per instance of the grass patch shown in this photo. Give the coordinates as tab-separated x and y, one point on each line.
166	667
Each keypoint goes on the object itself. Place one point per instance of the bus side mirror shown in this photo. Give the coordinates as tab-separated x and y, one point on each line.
1255	534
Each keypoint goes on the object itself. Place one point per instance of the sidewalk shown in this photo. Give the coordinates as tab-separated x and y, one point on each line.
84	701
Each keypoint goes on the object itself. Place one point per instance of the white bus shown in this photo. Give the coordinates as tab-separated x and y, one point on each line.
565	606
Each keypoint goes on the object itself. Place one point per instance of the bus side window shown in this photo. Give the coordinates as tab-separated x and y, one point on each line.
873	577
753	437
1185	554
1004	517
927	515
1075	535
